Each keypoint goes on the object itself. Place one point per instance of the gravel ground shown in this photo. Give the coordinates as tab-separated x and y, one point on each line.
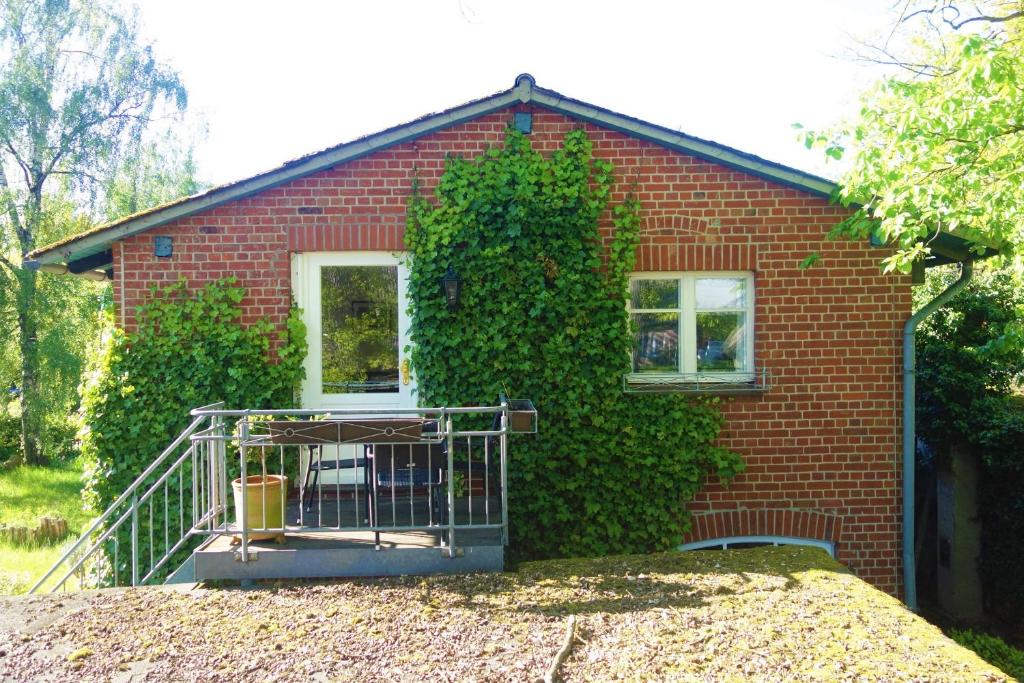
765	614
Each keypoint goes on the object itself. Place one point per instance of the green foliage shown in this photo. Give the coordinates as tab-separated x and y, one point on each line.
33	492
76	86
68	317
969	358
970	363
993	650
10	428
78	93
163	169
543	314
190	350
939	145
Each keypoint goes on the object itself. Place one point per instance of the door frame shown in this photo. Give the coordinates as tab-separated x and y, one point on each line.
306	290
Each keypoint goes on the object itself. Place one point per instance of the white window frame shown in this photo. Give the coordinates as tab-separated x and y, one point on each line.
687	310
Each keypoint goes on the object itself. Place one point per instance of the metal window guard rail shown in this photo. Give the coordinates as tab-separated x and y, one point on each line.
189	482
733	383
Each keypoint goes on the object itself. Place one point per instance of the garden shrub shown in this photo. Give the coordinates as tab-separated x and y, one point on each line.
993	650
190	350
543	315
970	366
10	434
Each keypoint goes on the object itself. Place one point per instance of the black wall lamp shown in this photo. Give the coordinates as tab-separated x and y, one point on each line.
451	286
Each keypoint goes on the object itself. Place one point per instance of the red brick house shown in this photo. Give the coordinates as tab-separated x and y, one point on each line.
723	234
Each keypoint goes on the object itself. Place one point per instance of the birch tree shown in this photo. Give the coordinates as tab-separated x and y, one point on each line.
78	90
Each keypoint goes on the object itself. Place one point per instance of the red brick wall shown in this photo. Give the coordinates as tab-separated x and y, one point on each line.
822	446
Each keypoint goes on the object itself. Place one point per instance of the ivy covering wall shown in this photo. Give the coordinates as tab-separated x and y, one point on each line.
190	350
543	316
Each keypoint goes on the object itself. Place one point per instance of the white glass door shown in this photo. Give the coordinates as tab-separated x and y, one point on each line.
355	310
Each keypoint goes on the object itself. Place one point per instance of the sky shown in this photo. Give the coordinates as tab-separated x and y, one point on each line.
274	80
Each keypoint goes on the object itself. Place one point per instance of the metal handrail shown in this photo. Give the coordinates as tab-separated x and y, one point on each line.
332	412
128	493
121	520
204	447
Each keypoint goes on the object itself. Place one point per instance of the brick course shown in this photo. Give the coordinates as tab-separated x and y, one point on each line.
821	447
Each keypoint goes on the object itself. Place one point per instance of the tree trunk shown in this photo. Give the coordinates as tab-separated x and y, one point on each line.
31	443
28	397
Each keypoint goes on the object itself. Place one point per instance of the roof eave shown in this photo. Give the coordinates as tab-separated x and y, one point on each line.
686	144
101	239
524	91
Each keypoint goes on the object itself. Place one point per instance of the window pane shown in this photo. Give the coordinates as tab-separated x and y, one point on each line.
722	342
721	292
656	343
359	319
655	293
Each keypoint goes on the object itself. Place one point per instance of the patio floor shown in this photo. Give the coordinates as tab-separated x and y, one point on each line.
316	552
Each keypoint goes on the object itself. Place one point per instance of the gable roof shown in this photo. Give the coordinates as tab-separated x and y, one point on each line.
87	250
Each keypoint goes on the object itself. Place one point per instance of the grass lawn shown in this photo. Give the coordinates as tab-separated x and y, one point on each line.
763	614
27	493
20	567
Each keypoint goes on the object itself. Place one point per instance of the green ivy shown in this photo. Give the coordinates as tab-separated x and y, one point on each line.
543	315
190	350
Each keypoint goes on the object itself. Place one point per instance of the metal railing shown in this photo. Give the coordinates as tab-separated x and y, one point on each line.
135	537
436	470
442	471
704	382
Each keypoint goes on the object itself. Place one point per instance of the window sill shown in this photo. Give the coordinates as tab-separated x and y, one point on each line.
719	384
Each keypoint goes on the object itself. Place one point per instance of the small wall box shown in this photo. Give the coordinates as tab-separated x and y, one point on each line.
522	416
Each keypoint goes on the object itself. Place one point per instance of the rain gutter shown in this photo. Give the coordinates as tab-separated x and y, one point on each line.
909	427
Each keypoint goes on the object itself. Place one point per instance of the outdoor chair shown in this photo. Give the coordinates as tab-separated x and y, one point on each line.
407	473
317	465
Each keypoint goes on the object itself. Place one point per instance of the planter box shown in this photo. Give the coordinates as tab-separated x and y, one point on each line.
522	416
364	430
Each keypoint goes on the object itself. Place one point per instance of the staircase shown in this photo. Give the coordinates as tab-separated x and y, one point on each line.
425	493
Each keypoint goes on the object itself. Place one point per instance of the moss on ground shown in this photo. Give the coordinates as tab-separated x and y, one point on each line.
758	614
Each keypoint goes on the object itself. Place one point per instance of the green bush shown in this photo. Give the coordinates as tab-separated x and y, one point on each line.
970	363
993	650
190	350
10	434
543	315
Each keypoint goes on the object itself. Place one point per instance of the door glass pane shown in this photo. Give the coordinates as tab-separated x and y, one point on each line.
656	343
654	293
721	292
359	322
721	342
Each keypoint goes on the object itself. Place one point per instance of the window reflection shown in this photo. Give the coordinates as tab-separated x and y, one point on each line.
720	342
656	342
359	323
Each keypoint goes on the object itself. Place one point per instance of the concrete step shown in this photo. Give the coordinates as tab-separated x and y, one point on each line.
351	554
